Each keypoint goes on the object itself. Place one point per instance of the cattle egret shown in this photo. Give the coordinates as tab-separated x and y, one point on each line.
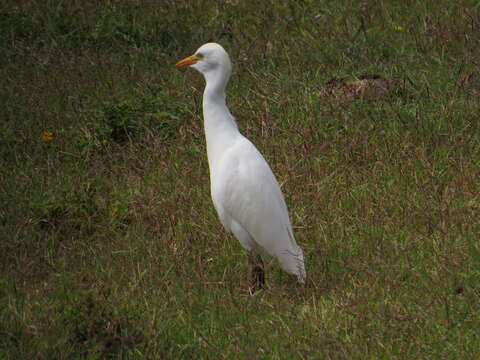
245	193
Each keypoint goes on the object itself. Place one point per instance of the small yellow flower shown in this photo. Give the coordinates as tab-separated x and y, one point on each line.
47	136
398	28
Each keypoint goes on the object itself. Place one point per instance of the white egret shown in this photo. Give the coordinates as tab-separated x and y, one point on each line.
244	190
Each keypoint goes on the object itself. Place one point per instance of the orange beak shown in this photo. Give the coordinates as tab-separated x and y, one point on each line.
190	60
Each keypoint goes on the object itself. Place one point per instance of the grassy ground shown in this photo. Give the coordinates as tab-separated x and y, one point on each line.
110	246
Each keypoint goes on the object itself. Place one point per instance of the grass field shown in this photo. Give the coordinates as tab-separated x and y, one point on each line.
110	246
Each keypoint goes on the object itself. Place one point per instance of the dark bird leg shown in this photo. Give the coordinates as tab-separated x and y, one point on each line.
258	271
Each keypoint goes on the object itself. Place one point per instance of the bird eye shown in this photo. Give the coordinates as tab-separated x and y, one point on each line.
199	55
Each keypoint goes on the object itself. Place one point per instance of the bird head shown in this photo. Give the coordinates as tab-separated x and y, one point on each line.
209	58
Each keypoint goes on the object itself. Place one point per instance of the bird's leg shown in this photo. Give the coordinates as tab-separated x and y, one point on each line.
258	271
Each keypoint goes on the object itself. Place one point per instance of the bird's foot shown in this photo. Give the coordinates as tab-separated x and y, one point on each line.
258	272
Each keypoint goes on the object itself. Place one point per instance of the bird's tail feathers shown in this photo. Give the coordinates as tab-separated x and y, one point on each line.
293	263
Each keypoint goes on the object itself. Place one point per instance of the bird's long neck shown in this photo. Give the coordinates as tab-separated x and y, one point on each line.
220	127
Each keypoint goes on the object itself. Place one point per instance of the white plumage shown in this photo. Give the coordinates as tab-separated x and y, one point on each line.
244	190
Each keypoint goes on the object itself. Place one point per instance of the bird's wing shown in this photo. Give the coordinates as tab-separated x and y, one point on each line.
245	187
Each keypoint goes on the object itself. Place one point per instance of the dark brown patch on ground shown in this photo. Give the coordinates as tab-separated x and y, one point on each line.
367	86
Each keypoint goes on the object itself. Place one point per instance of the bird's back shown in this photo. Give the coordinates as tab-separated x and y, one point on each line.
244	189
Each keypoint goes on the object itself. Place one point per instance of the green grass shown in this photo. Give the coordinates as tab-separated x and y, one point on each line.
110	246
